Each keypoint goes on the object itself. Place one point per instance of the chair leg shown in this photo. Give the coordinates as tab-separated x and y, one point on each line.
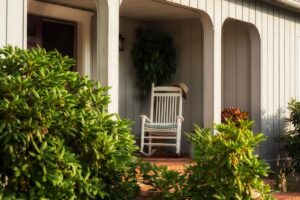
150	150
150	146
178	141
142	136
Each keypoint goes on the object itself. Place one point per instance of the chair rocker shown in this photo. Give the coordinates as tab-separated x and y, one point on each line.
165	120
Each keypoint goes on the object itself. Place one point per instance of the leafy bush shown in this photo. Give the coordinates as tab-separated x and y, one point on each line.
154	59
171	184
225	167
233	114
291	140
57	139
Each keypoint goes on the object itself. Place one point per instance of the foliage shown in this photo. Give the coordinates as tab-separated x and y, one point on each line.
234	114
57	139
225	167
291	140
154	59
171	184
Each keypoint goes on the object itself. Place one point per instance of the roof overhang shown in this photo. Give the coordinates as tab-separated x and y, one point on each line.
293	5
87	5
155	10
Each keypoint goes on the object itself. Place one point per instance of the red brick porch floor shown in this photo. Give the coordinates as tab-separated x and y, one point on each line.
179	163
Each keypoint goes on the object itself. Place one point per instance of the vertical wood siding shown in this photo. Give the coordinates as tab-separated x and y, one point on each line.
13	22
279	30
3	22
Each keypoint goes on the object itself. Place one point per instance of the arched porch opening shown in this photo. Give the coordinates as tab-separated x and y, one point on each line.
192	33
241	68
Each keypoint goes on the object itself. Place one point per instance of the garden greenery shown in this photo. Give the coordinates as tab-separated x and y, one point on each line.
291	140
154	59
225	167
57	139
59	142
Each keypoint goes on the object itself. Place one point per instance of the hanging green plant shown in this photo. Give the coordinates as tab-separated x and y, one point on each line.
154	59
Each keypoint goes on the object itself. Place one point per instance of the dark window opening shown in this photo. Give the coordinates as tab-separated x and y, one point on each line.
52	34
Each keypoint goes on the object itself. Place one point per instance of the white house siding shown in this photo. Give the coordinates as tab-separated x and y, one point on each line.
187	36
278	29
12	22
129	102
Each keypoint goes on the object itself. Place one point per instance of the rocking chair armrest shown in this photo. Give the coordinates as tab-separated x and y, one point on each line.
180	118
145	117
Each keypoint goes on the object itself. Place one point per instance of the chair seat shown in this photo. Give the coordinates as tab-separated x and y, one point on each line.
164	126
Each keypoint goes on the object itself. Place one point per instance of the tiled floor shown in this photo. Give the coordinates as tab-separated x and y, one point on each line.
287	196
179	163
172	162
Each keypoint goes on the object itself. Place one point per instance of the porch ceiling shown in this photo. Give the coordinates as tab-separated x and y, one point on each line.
154	10
89	5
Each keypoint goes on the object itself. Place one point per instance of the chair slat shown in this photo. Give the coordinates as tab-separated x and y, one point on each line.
173	113
160	109
156	106
157	109
167	108
175	109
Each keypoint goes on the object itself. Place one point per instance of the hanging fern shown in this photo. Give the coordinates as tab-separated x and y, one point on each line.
154	59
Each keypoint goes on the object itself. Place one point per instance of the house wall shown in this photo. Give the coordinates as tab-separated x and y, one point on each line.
129	101
187	35
279	30
12	22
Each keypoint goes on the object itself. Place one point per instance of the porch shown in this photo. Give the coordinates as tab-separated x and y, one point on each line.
236	83
193	38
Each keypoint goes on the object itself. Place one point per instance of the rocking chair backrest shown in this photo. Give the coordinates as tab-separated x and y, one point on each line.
166	104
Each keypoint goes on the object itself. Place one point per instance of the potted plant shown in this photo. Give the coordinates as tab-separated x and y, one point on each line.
154	58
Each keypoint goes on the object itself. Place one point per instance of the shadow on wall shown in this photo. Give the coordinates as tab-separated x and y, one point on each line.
272	126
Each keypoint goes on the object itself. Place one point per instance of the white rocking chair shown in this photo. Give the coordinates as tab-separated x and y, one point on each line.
165	119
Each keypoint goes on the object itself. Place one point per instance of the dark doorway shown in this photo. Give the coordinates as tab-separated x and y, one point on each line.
52	34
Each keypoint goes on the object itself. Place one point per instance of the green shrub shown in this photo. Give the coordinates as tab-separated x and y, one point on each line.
171	184
225	167
291	140
57	139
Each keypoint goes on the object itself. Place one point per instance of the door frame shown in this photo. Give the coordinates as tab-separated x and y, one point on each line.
82	18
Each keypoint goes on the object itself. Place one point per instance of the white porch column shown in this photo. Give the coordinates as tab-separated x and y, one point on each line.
113	54
13	23
208	71
107	70
217	73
